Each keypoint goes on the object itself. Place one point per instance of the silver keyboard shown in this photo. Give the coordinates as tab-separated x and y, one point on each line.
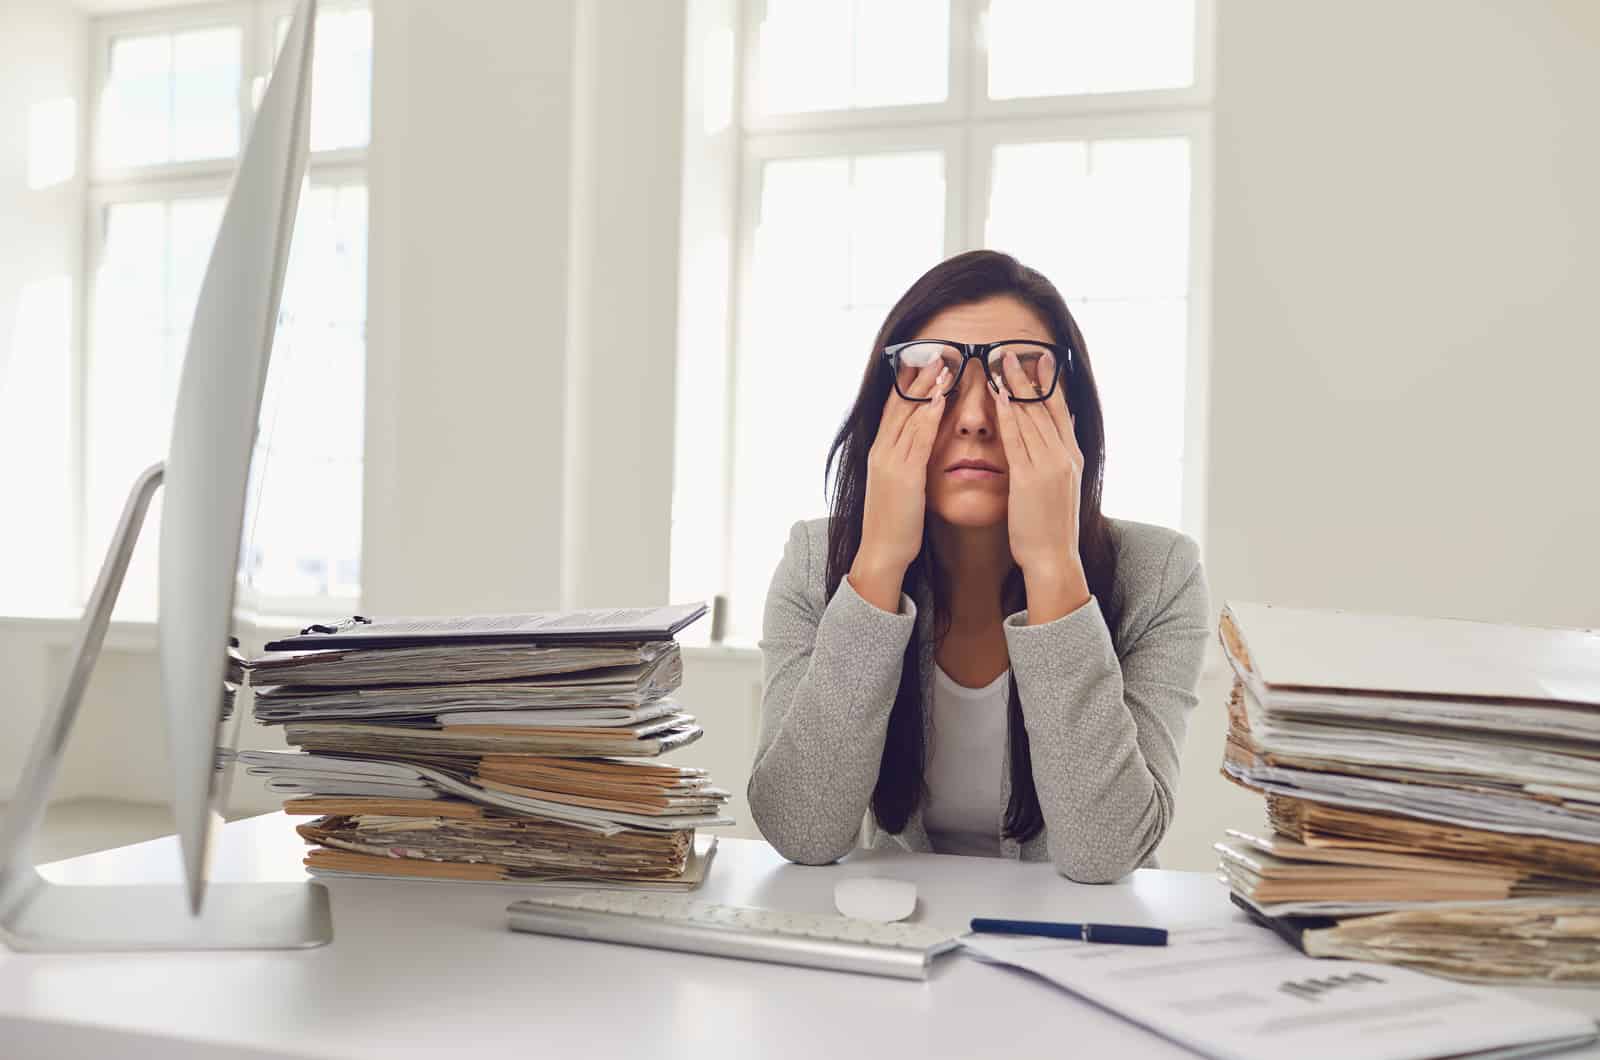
673	922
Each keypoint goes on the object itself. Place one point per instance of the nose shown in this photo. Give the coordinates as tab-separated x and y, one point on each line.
972	406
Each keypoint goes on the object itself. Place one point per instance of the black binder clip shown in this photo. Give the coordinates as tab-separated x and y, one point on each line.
338	627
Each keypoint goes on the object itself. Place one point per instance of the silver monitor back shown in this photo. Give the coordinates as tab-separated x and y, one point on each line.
207	476
213	437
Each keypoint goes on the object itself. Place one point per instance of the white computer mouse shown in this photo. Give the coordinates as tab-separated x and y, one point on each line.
875	898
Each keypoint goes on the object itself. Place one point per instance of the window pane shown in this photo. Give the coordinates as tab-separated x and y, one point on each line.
1108	223
839	240
1102	219
1139	351
341	108
193	228
175	97
306	540
839	54
1074	47
135	124
151	266
205	94
341	92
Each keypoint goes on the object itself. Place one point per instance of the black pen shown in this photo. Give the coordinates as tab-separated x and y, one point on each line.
1116	933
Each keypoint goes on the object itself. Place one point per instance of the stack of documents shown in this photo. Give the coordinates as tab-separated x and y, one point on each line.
1434	787
507	748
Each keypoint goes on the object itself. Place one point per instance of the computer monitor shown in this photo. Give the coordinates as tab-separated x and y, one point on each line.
214	427
206	476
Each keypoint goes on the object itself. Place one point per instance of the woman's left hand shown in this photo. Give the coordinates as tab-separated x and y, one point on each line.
1046	480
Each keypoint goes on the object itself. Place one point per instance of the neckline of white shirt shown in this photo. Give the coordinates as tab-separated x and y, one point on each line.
951	685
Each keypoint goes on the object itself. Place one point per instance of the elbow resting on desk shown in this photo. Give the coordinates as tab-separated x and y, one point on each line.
1093	867
1104	862
794	833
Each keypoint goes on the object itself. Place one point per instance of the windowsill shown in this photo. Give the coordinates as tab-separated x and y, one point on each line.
722	653
60	629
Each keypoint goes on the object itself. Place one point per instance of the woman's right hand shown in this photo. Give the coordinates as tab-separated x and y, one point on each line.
897	487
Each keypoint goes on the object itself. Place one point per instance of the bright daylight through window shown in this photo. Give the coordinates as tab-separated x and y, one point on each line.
176	93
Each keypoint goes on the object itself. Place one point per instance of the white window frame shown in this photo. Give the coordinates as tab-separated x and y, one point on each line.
966	126
109	185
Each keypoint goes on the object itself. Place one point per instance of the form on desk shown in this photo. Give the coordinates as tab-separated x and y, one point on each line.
1239	993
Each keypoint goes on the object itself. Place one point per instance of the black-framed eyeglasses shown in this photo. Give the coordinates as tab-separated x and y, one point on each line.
1042	364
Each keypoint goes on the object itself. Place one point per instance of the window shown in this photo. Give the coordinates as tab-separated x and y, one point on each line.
879	137
176	91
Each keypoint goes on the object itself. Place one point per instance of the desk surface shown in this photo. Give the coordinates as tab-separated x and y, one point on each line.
421	969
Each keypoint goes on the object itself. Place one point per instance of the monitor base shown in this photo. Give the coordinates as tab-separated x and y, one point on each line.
39	916
51	918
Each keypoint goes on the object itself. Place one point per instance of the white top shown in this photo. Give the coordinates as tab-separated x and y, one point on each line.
963	815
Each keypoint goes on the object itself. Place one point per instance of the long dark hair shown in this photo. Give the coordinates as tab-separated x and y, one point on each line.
963	279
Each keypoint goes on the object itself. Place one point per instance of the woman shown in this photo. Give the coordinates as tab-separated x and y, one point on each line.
967	651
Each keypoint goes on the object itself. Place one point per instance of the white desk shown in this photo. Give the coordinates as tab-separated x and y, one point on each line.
429	970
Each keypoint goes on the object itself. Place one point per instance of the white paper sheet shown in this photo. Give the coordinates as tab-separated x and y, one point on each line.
1298	648
1238	992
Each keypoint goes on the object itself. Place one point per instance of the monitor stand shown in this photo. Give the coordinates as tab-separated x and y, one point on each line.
40	916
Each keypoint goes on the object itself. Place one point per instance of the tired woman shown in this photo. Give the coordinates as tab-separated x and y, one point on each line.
967	657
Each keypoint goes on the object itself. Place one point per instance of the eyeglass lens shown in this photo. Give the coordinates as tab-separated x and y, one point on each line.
1035	364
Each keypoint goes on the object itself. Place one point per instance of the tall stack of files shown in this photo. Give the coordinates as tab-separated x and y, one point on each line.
492	749
1433	788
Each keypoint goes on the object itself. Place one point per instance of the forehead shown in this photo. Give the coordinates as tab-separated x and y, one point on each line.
990	320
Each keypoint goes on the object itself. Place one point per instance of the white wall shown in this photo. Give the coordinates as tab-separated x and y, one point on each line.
1406	359
525	187
623	301
1406	245
470	160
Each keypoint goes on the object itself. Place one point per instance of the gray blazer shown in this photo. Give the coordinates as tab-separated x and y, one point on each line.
1105	711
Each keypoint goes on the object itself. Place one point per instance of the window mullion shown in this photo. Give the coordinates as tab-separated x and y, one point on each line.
967	54
249	60
969	65
172	96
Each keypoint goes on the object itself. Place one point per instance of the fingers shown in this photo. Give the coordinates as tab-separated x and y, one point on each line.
1026	414
935	377
897	412
923	426
1005	416
1060	414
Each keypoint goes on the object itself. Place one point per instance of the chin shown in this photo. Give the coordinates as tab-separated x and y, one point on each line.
970	512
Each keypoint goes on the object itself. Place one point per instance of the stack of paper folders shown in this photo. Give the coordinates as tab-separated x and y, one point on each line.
1433	786
500	749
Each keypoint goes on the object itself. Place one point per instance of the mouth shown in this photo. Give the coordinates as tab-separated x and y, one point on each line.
973	469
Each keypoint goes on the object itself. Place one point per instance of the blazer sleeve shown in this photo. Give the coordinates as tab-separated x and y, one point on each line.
829	677
1105	733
